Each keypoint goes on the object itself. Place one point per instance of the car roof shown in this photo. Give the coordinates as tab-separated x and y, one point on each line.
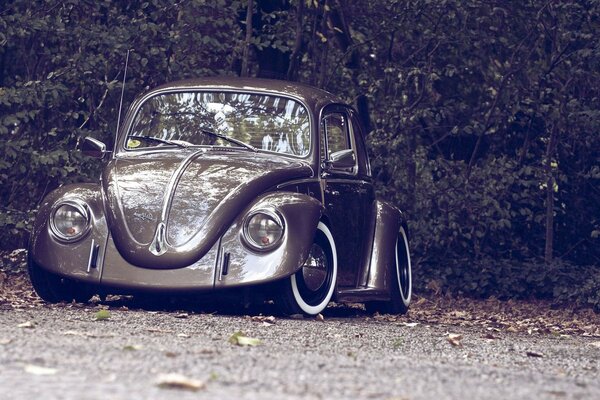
313	97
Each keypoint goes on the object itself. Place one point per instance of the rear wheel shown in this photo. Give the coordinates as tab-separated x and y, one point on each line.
54	289
401	283
310	289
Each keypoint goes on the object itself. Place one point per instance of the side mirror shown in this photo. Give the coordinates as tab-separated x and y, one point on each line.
343	159
93	148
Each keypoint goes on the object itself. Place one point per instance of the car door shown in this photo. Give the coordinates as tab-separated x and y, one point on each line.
347	195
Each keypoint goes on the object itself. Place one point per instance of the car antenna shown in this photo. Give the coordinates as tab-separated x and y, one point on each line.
123	90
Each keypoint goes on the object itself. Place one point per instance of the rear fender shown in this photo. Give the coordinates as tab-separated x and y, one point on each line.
239	265
388	220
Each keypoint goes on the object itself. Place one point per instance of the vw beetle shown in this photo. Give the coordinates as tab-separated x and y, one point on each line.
225	183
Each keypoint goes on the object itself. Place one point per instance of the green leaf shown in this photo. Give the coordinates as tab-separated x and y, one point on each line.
239	339
102	315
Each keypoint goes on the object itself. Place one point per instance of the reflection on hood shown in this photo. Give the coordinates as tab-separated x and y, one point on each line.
207	192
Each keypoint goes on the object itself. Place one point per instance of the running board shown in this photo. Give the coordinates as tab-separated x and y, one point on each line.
358	295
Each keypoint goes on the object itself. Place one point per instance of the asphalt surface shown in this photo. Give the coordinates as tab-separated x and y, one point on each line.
65	353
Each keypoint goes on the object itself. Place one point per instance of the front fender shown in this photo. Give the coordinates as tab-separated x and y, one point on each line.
70	259
238	265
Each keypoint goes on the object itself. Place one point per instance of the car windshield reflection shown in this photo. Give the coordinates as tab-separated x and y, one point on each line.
225	119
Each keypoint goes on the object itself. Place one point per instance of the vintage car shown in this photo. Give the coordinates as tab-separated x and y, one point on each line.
260	186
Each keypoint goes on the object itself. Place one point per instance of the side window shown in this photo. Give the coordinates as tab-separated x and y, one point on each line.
336	130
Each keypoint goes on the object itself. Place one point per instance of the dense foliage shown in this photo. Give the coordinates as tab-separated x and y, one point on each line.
485	116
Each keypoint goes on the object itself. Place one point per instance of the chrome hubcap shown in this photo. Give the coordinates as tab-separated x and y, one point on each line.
314	270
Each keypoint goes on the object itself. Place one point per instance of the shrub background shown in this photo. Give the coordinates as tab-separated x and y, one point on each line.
485	116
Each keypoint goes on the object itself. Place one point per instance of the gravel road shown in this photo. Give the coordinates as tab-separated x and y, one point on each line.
65	353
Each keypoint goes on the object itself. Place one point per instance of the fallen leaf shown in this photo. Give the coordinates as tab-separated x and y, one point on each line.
534	354
86	334
37	370
421	300
239	339
158	330
558	393
73	333
181	315
488	335
454	339
320	317
28	325
177	381
183	335
264	319
5	341
596	344
132	347
102	315
410	324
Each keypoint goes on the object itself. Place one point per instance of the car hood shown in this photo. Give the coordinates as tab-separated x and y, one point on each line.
167	210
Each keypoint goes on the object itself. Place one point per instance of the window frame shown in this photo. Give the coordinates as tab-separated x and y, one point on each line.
324	138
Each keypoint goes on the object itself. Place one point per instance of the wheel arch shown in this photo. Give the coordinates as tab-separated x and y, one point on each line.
301	214
69	259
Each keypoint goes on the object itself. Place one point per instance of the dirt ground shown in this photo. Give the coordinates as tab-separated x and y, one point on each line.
445	348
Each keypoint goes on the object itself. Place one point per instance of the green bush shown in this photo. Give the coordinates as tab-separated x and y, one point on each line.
485	117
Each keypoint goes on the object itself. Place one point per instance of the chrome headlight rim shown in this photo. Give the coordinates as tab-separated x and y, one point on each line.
247	238
81	207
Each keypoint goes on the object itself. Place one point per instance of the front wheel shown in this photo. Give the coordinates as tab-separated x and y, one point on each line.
401	282
309	290
55	289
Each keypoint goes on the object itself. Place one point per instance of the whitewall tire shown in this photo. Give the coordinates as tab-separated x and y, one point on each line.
309	290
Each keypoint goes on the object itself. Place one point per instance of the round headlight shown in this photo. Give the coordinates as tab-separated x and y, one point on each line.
263	229
70	220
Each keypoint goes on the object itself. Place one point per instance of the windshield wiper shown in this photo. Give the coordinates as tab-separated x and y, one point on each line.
158	140
229	139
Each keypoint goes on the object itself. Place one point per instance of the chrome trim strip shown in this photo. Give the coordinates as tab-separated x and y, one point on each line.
159	244
219	262
170	191
89	265
298	182
352	181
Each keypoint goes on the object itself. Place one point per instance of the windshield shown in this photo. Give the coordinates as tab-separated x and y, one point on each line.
245	120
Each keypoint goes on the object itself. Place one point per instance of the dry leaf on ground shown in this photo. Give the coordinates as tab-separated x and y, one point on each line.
534	354
454	339
266	320
178	381
37	370
28	325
